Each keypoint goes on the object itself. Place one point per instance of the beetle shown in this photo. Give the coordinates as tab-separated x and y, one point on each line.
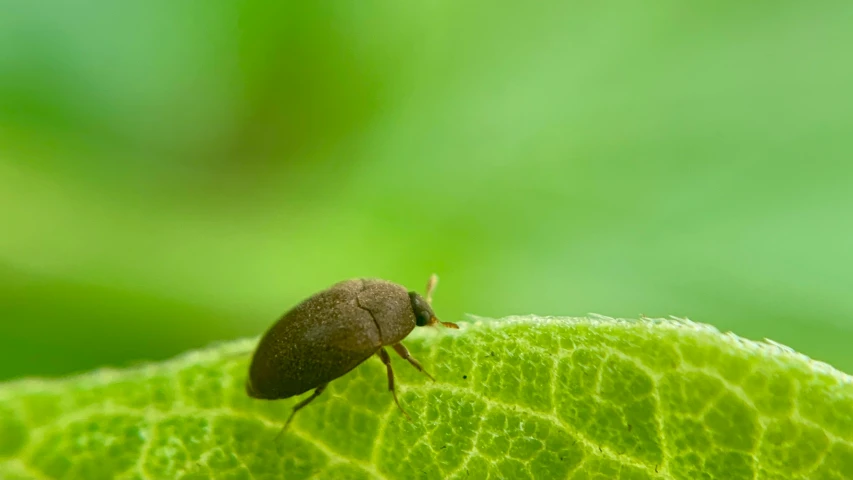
330	333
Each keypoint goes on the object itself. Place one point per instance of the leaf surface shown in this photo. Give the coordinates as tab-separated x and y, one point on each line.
521	397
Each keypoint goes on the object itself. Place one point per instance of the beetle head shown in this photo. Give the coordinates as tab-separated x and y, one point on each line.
424	316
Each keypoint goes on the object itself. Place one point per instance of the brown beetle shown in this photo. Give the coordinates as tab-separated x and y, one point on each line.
332	332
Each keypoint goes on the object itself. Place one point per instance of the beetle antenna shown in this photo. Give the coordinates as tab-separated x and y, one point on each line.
434	320
431	284
449	325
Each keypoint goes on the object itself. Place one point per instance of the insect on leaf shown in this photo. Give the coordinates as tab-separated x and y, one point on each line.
522	397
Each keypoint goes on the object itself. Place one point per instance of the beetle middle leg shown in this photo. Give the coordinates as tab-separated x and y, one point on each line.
404	352
386	359
301	404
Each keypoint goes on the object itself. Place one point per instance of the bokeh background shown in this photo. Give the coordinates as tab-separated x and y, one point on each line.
178	173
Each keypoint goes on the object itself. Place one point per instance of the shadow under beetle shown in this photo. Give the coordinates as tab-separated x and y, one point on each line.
332	332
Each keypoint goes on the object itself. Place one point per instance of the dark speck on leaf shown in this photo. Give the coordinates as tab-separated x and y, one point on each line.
629	427
464	377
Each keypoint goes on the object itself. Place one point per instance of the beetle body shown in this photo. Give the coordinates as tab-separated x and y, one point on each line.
332	332
327	335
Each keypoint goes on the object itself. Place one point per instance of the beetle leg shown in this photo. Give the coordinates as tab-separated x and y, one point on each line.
301	404
386	359
404	352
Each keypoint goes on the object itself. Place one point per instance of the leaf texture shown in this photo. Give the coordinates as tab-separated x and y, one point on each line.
517	398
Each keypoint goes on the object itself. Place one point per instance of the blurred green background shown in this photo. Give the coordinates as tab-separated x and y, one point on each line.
177	173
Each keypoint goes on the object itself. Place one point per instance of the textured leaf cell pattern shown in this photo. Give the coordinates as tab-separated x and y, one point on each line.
518	398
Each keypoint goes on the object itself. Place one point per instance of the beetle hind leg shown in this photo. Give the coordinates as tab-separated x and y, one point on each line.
404	352
386	359
299	406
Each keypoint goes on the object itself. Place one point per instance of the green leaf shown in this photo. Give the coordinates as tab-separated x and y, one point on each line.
522	397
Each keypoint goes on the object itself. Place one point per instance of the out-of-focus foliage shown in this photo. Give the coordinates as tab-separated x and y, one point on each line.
177	172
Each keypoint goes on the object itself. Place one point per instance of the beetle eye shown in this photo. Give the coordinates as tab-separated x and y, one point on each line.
421	309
